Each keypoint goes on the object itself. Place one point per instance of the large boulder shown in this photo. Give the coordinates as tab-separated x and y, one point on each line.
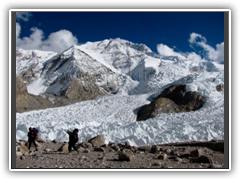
63	148
192	101
172	100
39	139
175	93
97	141
158	106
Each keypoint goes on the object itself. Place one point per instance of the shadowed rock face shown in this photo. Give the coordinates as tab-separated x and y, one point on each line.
27	102
172	100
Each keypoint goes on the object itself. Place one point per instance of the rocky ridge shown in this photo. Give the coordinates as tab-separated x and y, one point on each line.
54	155
68	77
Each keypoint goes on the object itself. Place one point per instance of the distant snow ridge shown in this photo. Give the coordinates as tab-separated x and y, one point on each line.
137	75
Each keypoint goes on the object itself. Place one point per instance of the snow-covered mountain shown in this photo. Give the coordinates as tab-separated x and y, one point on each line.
131	75
86	71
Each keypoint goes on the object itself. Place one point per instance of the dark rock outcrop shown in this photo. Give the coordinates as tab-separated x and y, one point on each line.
220	87
172	100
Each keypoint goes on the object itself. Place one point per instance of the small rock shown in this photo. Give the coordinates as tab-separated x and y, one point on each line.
215	166
80	149
22	157
47	150
22	143
145	148
124	157
82	158
196	153
168	151
178	159
23	149
163	156
99	149
111	143
116	148
55	141
87	151
155	149
204	159
104	145
103	158
184	155
134	149
220	87
38	154
18	154
86	145
121	145
156	163
127	145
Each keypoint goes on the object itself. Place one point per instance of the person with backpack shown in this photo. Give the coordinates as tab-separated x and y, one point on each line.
32	135
73	139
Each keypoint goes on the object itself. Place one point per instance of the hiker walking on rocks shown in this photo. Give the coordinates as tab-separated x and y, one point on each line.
73	139
32	135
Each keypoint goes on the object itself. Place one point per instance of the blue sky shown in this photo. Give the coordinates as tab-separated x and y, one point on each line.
166	33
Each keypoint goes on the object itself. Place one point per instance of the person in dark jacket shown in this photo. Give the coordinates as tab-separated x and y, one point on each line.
32	135
73	139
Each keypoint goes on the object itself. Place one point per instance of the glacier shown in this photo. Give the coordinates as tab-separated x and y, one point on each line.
115	115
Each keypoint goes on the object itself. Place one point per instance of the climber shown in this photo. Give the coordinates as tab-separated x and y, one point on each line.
73	139
32	135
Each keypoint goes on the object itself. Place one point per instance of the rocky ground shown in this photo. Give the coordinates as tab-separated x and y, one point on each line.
53	154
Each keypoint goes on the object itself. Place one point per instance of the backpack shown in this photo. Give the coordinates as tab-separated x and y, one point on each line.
33	133
75	136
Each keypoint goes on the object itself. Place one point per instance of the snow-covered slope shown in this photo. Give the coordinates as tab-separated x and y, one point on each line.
138	75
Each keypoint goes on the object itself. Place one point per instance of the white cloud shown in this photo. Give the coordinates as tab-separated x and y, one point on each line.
59	40
194	57
164	50
32	42
25	16
211	53
18	29
195	36
198	40
56	41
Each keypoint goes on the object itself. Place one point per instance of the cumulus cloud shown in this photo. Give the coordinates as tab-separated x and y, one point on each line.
25	16
193	57
211	53
56	41
18	29
59	40
164	50
196	40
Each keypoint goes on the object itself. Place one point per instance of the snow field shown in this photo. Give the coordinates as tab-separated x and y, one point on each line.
115	116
